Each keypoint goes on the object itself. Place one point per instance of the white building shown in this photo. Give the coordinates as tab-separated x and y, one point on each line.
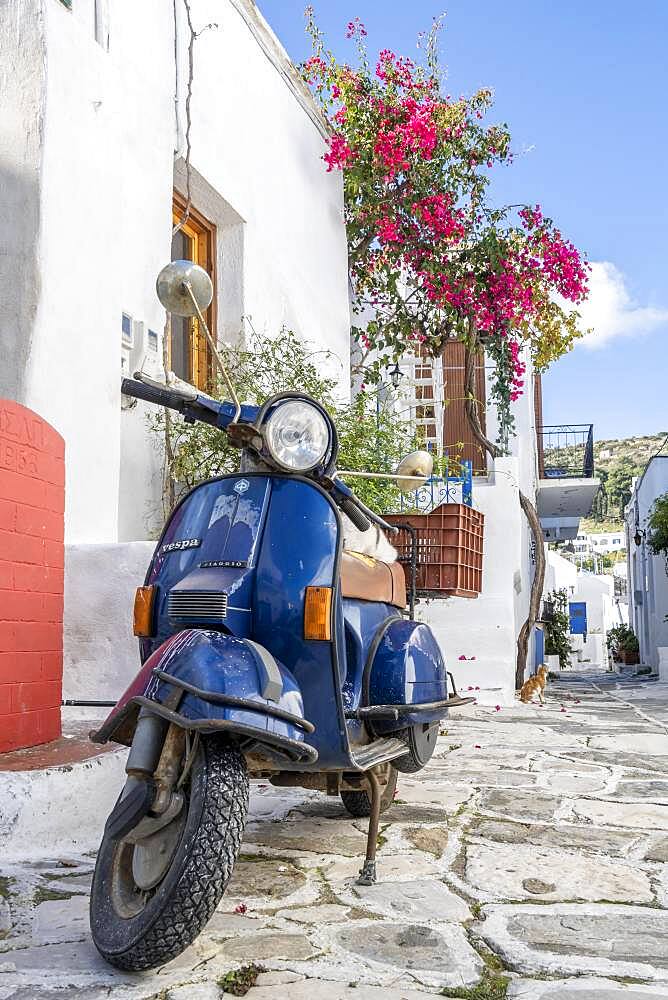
599	543
602	608
647	573
92	149
93	142
479	636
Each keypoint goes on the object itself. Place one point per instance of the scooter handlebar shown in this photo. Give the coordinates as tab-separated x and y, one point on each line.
351	510
153	394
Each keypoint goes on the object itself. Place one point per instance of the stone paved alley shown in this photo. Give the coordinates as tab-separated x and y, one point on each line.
529	859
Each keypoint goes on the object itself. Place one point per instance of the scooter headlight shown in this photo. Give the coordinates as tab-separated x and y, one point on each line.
297	435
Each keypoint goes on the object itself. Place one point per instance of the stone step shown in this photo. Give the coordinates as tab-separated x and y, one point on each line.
54	798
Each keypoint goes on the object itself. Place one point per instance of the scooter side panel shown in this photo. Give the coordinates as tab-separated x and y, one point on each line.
300	549
210	544
362	621
407	669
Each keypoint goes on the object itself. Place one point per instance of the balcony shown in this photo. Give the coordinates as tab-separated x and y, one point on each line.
566	451
566	487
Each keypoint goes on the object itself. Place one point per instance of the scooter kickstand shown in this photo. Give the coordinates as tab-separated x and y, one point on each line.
367	874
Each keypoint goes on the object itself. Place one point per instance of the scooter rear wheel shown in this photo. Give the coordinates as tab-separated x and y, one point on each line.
137	930
358	804
420	743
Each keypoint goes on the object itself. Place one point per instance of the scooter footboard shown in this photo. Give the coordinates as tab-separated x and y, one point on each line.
213	682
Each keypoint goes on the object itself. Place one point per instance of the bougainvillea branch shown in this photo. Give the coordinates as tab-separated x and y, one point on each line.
429	253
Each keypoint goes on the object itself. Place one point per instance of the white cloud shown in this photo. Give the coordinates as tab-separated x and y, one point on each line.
610	310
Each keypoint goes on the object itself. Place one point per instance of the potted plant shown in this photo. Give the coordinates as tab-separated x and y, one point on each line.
558	629
630	650
623	644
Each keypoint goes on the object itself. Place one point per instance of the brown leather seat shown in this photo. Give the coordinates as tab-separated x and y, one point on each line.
367	579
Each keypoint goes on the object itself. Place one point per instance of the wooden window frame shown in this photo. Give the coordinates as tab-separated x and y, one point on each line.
203	234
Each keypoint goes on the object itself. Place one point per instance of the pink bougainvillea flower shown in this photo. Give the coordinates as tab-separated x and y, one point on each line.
562	709
497	708
470	687
462	657
241	908
476	746
476	689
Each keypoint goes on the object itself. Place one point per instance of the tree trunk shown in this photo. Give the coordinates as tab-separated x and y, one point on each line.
471	408
536	589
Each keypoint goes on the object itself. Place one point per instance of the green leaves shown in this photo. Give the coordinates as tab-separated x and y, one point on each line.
657	537
372	437
558	629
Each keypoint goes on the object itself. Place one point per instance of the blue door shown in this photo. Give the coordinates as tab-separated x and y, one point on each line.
539	647
577	611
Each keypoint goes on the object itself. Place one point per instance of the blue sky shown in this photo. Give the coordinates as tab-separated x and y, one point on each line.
583	87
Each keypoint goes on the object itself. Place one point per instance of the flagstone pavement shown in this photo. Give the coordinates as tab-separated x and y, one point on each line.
529	860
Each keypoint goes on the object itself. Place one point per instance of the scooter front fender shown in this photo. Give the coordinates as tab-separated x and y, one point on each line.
210	681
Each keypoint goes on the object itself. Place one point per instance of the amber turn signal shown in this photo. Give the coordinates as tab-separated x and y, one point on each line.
143	614
317	613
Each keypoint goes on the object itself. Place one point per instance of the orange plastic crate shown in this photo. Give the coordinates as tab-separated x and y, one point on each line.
449	549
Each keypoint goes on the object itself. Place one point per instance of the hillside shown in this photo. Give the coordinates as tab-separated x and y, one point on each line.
616	462
638	449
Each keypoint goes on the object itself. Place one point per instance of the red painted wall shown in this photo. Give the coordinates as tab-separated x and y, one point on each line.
32	505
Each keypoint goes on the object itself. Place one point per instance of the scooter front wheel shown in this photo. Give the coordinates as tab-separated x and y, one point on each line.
137	928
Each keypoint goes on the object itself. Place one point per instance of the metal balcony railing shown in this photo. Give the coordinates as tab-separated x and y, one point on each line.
457	488
567	451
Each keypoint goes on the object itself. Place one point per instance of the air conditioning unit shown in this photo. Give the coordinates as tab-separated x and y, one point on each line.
139	352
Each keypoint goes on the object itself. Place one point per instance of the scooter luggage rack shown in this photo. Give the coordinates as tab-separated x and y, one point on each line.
445	549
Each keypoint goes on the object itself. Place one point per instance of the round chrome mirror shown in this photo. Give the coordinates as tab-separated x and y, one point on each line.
172	291
418	463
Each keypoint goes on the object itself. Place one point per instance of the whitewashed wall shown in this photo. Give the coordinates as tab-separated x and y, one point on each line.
100	652
560	574
487	627
647	573
598	594
522	446
484	629
92	138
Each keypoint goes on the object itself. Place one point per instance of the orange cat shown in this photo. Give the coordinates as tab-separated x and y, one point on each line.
534	685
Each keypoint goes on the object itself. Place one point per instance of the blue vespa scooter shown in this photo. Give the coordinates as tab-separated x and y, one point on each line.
267	651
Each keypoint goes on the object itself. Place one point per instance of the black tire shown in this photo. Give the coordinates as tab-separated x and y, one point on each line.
202	864
421	743
358	804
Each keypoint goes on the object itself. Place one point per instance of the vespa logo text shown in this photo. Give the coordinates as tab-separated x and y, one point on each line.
241	486
185	543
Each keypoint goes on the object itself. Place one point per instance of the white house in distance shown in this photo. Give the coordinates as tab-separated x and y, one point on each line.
601	608
647	572
599	543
